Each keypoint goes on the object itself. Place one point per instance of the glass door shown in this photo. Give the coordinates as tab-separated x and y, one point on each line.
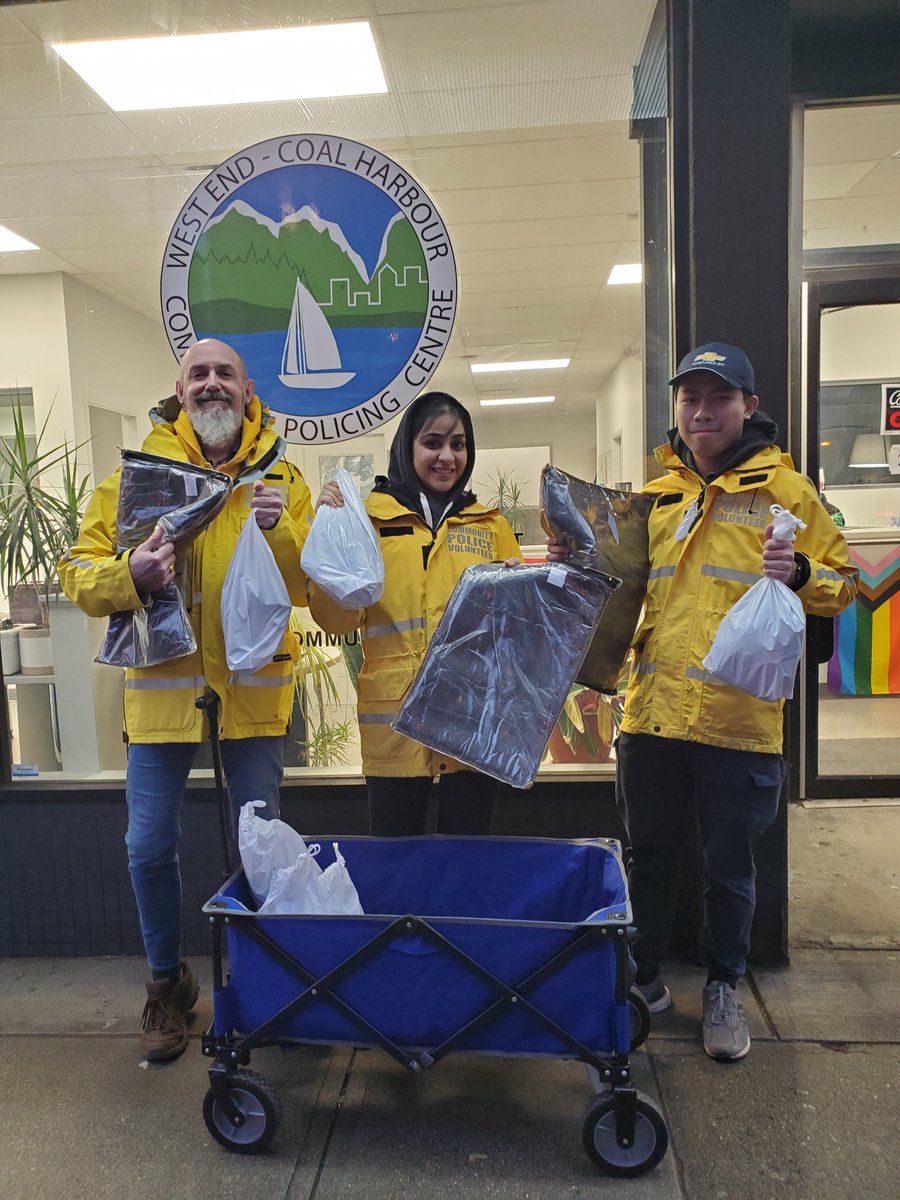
852	721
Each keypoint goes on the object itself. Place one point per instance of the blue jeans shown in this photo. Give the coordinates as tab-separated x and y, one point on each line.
154	789
660	783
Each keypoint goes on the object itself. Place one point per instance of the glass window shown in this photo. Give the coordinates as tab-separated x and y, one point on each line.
540	132
852	216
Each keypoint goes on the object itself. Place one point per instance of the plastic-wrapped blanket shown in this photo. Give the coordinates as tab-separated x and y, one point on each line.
500	664
607	531
183	499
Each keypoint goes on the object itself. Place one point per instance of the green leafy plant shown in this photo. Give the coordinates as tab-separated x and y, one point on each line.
317	695
38	523
506	490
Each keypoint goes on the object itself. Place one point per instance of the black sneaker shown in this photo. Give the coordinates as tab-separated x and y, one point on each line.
656	994
725	1033
164	1032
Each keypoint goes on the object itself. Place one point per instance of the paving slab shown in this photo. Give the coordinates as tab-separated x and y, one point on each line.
473	1127
83	1121
792	1121
844	878
89	1119
834	996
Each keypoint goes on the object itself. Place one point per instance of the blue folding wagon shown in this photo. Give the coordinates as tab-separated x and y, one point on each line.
514	946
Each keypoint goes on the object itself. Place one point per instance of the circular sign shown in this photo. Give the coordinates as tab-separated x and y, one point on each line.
330	271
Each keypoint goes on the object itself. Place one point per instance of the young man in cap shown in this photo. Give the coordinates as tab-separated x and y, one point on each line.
688	743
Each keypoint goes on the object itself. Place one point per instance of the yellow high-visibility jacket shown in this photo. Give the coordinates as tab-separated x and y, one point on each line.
159	701
694	582
421	569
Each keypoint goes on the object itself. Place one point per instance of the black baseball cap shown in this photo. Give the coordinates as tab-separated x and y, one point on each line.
728	362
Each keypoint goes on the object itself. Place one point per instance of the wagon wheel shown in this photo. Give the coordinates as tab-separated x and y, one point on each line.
256	1101
638	1018
598	1136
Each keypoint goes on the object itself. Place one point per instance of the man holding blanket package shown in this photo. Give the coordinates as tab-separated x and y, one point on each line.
217	422
690	743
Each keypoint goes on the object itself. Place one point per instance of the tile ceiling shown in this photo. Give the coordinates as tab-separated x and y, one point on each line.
514	115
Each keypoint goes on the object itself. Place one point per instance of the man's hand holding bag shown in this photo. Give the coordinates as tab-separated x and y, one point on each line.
760	639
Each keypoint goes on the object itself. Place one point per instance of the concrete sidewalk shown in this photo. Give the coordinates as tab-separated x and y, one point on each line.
811	1114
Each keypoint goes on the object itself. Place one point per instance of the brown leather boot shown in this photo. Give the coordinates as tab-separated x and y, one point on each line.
164	1023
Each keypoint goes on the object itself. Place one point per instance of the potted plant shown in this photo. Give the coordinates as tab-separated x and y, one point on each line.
506	491
38	522
317	701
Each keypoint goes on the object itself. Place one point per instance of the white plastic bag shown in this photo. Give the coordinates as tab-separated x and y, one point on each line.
341	552
266	847
760	639
256	606
338	892
304	889
295	888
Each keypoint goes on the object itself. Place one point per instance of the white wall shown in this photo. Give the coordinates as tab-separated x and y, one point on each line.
620	408
34	352
119	359
74	346
861	343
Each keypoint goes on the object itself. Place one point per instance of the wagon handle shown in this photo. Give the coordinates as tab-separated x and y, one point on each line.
209	703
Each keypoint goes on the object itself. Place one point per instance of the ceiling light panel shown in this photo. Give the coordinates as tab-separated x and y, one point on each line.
11	243
536	364
625	273
517	400
199	70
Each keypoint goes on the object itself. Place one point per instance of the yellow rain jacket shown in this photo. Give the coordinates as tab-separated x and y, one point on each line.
421	569
694	582
159	701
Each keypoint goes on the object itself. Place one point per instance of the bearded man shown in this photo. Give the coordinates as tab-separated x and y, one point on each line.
217	422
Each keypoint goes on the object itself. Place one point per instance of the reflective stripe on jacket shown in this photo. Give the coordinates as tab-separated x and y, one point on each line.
159	701
694	582
421	569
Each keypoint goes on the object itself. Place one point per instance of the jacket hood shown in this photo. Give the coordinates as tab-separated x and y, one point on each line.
403	483
759	432
168	414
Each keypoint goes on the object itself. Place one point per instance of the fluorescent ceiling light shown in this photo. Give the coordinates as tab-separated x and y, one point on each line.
196	70
519	400
626	273
10	242
534	364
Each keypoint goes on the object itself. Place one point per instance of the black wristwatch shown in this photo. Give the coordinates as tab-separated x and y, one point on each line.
803	572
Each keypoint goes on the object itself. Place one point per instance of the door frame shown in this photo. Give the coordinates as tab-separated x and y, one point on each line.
834	278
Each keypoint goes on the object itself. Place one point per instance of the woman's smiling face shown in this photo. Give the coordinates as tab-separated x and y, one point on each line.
440	453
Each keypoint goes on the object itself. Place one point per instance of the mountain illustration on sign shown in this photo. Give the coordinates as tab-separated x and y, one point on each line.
245	268
310	358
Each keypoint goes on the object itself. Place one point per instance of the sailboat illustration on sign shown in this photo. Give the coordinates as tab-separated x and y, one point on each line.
310	358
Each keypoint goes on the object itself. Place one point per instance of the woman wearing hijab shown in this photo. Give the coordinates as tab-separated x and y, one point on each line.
430	529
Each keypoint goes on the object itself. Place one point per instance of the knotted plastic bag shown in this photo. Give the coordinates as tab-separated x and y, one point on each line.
341	552
760	639
266	847
336	889
295	888
256	606
304	889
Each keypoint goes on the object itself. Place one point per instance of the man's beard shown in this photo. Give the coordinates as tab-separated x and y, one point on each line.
216	427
